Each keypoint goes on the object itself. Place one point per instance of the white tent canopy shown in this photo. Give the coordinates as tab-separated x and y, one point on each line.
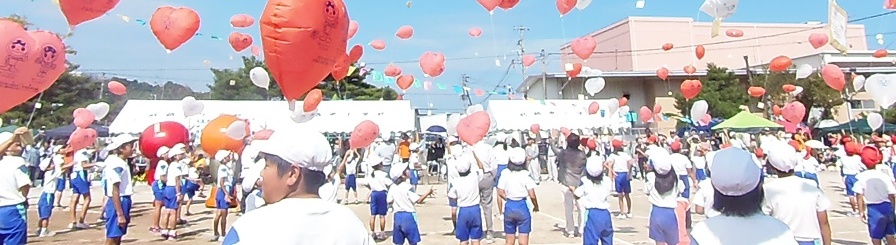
433	120
333	116
554	114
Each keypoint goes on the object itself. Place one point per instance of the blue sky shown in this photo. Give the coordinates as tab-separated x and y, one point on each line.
117	48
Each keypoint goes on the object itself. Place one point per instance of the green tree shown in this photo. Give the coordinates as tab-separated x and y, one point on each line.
234	84
816	93
721	90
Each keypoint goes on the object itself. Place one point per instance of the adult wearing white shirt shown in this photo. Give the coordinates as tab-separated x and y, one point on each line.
295	214
738	196
14	186
796	201
486	185
118	188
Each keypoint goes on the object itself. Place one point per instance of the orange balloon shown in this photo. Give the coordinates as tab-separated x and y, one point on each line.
668	46
690	69
405	81
756	91
117	88
662	73
574	71
354	54
623	101
79	11
788	88
691	88
780	63
312	100
214	137
340	69
241	21
239	41
776	110
405	32
734	33
392	70
317	29
880	53
352	29
174	26
700	51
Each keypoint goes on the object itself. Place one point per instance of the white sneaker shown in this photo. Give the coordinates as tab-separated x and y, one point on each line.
628	215
82	226
71	225
620	216
221	239
46	233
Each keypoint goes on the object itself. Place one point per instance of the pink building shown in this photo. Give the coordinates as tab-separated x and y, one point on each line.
630	51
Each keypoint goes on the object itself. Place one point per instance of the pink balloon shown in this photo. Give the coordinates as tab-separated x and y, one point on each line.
794	112
535	127
241	21
427	85
645	114
818	40
77	12
32	61
117	88
83	117
528	60
565	131
657	109
352	29
706	119
593	108
79	139
263	134
475	32
564	6
392	71
364	134
833	76
405	32
489	5
354	54
256	51
472	128
583	47
432	63
377	45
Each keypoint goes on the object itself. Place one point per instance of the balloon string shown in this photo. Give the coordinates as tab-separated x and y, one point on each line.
491	18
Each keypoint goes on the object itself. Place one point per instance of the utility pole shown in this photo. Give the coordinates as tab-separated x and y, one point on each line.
522	30
544	74
465	96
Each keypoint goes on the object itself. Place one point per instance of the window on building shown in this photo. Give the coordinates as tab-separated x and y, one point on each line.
862	105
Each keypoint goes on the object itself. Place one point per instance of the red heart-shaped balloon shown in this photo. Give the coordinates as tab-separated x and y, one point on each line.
363	134
174	26
80	11
474	127
32	61
240	41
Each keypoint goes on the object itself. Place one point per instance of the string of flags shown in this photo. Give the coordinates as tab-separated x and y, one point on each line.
380	77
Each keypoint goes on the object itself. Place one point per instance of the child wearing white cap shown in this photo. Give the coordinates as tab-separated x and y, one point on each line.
738	196
592	196
796	201
80	184
295	214
13	191
118	188
158	187
663	189
379	183
703	199
514	186
465	189
455	151
45	204
402	197
173	194
349	166
223	195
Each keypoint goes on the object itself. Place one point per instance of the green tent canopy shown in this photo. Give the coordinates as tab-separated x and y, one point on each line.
746	122
859	126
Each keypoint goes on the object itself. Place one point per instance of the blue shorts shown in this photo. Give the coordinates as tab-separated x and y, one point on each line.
700	174
414	178
45	205
849	181
687	185
404	227
598	227
517	217
158	191
80	185
811	176
501	168
378	205
452	202
171	198
663	225
469	223
189	189
351	182
221	202
13	224
60	184
881	220
113	228
623	185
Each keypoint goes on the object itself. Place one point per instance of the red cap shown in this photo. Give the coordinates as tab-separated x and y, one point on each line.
584	141
651	139
846	139
592	144
893	138
852	148
759	153
676	146
617	144
871	156
794	144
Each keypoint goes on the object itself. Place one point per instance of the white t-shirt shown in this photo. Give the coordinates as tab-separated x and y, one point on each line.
669	200
328	190
593	195
619	161
402	197
351	167
704	196
809	165
49	177
484	153
796	202
709	156
13	176
254	200
225	175
516	185
117	172
466	189
852	165
886	170
380	181
759	229
875	186
161	169
680	164
451	168
299	221
499	156
175	170
699	162
653	150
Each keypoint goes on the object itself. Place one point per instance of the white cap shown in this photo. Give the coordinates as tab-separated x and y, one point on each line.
299	146
594	168
782	157
517	155
661	161
374	160
397	170
734	173
452	139
456	150
5	136
120	140
162	151
252	174
463	165
176	151
222	154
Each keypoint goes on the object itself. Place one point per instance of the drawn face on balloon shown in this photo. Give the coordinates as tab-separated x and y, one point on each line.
49	54
331	12
18	48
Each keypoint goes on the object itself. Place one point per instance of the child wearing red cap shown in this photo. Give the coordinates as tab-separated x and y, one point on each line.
620	164
850	166
875	194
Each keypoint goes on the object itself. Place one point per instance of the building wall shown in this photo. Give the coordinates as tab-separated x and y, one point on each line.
613	38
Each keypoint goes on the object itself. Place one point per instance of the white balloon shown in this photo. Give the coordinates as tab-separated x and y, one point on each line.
474	108
858	83
719	9
299	116
100	110
881	87
191	106
582	4
260	77
612	106
797	91
698	110
452	122
236	130
803	71
595	85
875	120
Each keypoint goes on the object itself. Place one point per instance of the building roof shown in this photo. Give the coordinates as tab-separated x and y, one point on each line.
533	79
